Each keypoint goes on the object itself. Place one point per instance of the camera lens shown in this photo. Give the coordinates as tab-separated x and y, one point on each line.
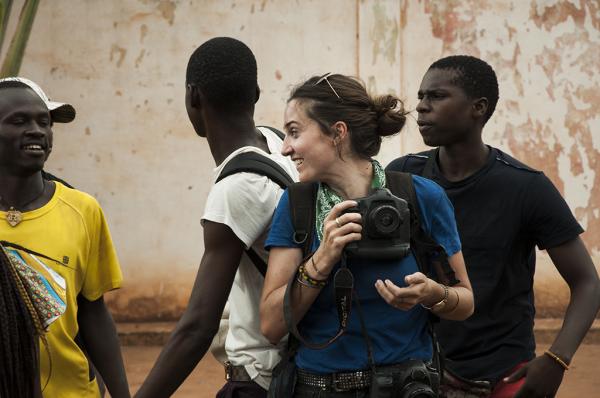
385	219
417	389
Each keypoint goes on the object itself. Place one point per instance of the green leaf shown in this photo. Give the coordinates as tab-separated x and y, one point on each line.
14	55
5	7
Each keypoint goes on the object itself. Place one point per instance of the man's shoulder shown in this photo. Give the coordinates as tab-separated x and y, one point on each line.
512	164
76	196
264	129
411	163
241	196
243	182
78	201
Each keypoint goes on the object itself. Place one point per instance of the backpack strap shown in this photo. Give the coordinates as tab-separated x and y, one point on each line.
278	133
4	243
401	185
253	162
258	262
302	198
51	177
431	257
427	252
430	164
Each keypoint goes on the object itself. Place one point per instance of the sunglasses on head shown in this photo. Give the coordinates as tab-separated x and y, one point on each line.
324	78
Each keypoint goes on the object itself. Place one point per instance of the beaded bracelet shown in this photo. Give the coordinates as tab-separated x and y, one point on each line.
305	279
557	359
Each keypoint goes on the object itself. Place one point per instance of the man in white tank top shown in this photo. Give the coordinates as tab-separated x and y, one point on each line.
221	91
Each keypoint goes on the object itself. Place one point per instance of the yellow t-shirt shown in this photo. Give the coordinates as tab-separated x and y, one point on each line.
70	228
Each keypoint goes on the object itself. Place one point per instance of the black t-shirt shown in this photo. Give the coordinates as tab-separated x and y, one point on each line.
503	211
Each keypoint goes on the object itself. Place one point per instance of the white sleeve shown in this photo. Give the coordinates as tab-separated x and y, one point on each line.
245	202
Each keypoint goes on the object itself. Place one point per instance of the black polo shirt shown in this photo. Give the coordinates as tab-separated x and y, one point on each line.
502	211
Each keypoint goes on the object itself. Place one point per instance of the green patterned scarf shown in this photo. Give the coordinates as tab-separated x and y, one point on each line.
327	198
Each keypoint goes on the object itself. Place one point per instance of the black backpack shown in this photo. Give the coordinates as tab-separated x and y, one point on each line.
253	162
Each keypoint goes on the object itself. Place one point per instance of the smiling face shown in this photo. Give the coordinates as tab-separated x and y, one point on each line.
25	132
446	113
312	151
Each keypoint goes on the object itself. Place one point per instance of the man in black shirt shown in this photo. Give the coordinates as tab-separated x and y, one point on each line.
503	210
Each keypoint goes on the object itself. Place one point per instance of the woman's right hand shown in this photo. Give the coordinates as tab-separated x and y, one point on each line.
339	229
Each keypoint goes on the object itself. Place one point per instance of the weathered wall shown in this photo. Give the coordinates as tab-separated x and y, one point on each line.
122	64
547	57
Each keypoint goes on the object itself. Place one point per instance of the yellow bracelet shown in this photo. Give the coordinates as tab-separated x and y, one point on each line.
557	359
305	279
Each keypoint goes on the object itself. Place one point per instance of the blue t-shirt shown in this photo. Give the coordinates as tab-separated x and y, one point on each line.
396	335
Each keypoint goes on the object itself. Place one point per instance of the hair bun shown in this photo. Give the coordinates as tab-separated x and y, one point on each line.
390	114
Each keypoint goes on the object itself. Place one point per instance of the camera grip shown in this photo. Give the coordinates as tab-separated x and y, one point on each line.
382	385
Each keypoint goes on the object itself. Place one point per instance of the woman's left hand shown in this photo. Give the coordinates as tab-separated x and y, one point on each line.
419	289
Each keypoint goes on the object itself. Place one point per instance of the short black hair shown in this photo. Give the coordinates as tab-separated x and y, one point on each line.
13	84
225	71
473	75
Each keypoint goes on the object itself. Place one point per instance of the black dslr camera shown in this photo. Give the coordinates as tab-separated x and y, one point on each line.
386	227
419	381
412	379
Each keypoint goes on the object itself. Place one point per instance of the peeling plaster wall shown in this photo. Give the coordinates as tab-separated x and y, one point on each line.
547	58
122	64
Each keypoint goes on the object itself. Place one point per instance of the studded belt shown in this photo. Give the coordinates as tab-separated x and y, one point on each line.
346	381
236	373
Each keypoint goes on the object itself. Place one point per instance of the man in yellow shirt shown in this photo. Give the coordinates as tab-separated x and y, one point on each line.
66	225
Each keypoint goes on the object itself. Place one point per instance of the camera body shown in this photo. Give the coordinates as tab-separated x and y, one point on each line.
386	227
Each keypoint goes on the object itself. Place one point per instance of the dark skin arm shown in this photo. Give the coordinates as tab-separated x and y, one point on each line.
200	322
544	374
98	330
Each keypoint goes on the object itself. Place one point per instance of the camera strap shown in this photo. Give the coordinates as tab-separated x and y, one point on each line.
363	329
343	286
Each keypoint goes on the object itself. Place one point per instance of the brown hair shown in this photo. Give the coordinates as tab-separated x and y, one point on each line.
334	98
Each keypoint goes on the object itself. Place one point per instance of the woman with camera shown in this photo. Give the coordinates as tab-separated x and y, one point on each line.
381	311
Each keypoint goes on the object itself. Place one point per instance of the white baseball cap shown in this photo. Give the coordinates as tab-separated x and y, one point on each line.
59	111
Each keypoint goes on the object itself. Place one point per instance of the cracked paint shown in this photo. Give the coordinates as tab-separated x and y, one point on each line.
384	35
546	54
119	53
547	57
